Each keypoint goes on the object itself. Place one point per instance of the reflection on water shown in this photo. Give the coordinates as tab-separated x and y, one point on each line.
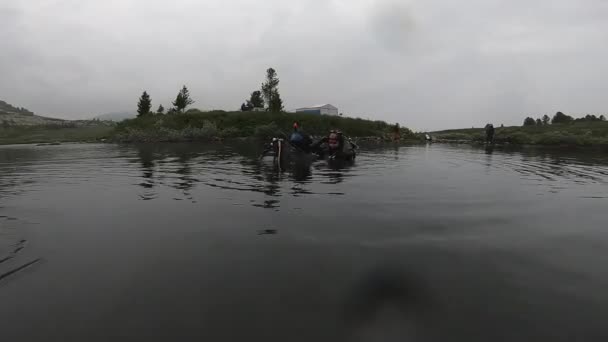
480	243
186	167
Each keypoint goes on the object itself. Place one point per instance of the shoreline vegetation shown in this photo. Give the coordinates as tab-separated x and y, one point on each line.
562	130
196	125
262	116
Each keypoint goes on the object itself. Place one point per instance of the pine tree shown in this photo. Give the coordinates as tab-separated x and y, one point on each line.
182	100
160	109
276	104
144	105
270	89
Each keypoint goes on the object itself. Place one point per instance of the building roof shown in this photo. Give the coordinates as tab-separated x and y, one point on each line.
327	106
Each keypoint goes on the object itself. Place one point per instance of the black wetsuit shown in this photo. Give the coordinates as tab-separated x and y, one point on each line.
301	140
489	133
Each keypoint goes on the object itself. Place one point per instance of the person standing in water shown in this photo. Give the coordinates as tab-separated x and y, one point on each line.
299	138
335	142
489	133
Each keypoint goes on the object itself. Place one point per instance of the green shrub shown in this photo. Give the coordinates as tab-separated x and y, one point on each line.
518	138
229	132
563	138
479	137
454	136
267	131
407	134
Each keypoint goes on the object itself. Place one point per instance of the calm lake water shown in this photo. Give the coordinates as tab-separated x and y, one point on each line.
209	243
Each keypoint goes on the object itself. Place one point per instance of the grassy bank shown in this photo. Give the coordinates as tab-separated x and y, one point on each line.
47	134
568	134
197	125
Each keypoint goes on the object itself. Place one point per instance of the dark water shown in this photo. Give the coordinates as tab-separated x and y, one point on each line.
208	243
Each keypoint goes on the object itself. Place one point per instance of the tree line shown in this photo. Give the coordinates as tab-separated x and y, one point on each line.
182	100
561	118
269	94
267	98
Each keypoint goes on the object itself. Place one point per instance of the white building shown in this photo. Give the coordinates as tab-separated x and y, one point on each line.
325	109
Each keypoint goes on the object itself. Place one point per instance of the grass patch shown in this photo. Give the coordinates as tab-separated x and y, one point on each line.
46	134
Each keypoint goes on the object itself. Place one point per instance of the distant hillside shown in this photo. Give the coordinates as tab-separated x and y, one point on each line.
14	116
6	108
116	116
11	116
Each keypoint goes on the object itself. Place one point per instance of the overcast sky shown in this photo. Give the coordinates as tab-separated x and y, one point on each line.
428	64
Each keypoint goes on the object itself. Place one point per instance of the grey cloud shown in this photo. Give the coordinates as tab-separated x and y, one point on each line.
426	63
392	24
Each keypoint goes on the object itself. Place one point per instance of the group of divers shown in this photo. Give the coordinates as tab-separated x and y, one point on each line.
299	144
334	146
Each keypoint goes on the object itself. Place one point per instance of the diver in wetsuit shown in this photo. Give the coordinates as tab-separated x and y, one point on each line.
300	139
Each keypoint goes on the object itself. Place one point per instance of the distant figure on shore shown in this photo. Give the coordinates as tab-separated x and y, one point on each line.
489	133
396	132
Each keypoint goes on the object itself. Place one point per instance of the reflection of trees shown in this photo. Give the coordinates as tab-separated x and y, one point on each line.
147	157
269	175
151	157
185	180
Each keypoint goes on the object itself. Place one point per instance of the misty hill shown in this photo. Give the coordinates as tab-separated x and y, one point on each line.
7	108
15	116
116	116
